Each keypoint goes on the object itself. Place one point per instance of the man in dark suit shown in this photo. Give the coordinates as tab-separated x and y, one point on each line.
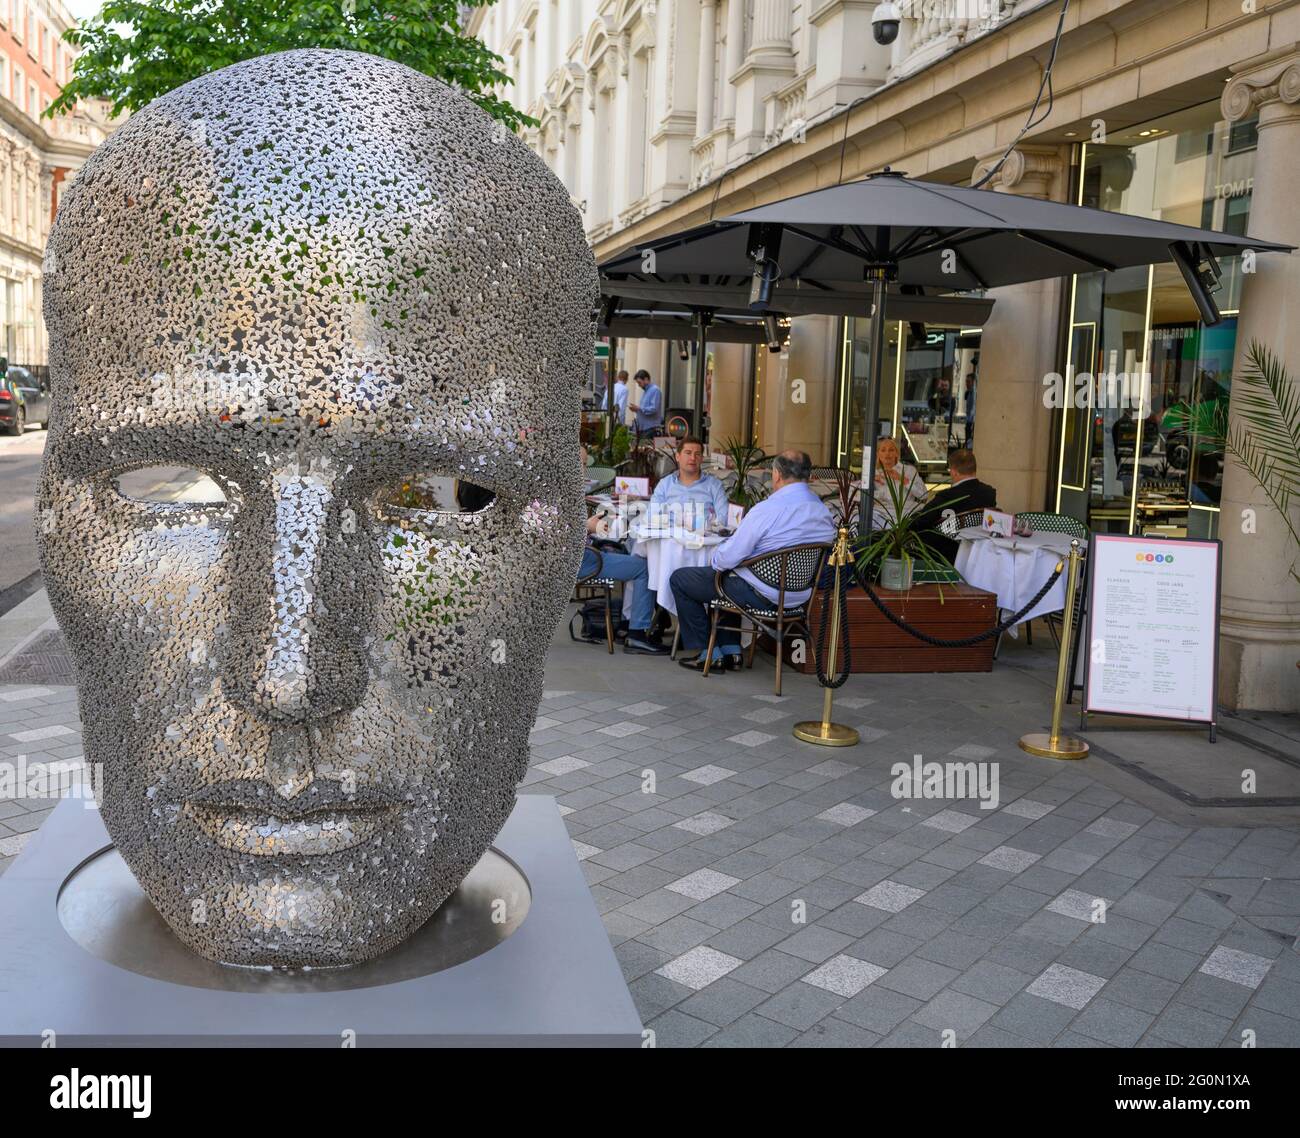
966	492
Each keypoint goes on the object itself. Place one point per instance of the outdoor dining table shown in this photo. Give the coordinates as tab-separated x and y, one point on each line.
1014	568
666	549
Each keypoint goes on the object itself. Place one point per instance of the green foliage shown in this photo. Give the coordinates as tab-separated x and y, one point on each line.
902	538
745	460
135	50
1265	439
432	593
615	453
621	447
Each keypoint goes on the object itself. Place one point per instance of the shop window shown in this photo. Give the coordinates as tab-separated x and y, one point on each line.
1141	355
1243	135
927	396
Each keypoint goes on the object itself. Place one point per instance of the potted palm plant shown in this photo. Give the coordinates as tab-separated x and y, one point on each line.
1265	439
895	548
746	459
845	496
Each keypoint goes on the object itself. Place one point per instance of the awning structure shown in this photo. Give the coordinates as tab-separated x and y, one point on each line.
889	232
672	322
798	298
935	236
717	308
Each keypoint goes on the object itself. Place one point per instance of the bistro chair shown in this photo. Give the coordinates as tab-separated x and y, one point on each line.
600	477
597	584
824	473
789	570
968	518
1048	523
1055	523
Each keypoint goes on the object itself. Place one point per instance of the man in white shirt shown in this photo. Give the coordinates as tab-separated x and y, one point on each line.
620	399
686	497
791	515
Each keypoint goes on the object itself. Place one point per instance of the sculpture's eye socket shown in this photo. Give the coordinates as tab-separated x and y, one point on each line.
429	494
174	485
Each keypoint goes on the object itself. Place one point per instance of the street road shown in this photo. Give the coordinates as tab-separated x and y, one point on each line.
20	465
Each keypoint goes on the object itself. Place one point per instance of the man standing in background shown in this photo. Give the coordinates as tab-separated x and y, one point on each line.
650	410
620	398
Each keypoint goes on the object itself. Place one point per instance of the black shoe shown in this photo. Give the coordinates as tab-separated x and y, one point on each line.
636	646
717	667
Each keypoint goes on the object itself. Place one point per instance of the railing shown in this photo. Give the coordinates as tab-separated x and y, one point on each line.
702	161
76	130
932	29
786	112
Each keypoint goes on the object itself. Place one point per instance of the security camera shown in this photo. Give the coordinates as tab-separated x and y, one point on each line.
885	21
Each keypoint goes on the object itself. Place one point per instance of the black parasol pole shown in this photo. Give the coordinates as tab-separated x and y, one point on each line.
610	371
878	275
703	318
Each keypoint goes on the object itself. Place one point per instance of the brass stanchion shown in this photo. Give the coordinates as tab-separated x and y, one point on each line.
826	733
1056	745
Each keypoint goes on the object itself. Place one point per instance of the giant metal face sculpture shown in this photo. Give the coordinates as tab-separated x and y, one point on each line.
315	277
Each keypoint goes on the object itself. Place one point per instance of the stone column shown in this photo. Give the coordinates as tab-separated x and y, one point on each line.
735	45
33	201
20	189
771	28
44	202
769	64
1260	601
704	91
6	189
1013	424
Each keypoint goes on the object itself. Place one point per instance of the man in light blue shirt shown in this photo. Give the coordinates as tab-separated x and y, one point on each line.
650	410
791	515
620	399
687	497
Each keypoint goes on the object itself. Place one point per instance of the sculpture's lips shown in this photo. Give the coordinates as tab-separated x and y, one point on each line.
267	835
251	817
323	794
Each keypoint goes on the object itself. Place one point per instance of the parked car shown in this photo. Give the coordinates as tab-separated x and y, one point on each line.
22	401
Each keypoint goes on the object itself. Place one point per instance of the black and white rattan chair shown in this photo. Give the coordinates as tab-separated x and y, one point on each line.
596	583
790	570
1054	523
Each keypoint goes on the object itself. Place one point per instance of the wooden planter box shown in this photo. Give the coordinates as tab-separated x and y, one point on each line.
877	645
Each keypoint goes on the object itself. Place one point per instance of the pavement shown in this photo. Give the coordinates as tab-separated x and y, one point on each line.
759	891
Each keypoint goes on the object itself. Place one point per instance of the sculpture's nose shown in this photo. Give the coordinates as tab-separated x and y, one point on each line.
303	663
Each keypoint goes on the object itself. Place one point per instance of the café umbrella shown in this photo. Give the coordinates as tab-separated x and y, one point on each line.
713	309
889	229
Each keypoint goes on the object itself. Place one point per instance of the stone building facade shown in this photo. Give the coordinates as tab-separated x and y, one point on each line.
659	114
36	157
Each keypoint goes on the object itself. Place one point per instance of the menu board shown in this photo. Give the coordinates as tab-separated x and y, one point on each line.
1153	616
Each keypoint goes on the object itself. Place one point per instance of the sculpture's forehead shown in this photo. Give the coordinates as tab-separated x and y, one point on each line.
320	237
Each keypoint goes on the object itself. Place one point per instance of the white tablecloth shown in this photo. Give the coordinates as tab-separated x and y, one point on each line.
1014	568
666	550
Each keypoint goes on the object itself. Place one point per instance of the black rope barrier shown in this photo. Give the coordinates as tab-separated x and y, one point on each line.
996	630
849	574
819	655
